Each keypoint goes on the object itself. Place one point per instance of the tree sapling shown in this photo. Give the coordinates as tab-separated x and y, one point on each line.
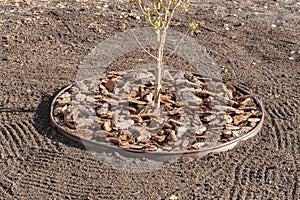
158	14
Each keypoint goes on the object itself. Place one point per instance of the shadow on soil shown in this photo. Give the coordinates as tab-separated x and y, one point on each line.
43	124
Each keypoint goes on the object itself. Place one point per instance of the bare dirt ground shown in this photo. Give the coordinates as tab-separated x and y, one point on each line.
256	44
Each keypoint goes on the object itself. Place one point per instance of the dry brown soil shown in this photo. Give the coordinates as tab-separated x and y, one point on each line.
256	45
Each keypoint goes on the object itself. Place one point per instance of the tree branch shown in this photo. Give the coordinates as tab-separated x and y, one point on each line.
172	13
143	48
177	45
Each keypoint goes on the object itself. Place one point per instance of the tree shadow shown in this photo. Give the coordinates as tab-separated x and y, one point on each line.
42	123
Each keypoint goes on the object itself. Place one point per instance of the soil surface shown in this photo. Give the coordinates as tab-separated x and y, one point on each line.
255	45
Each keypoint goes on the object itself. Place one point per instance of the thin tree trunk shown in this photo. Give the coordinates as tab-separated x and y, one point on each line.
160	42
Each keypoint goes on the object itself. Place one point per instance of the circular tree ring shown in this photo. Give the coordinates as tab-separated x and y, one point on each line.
156	155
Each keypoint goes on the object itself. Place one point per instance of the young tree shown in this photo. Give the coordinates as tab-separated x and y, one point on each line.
159	14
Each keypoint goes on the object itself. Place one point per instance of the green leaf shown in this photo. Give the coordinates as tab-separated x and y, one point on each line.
156	24
185	8
194	26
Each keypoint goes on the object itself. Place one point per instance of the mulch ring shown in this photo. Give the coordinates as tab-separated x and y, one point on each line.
196	112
